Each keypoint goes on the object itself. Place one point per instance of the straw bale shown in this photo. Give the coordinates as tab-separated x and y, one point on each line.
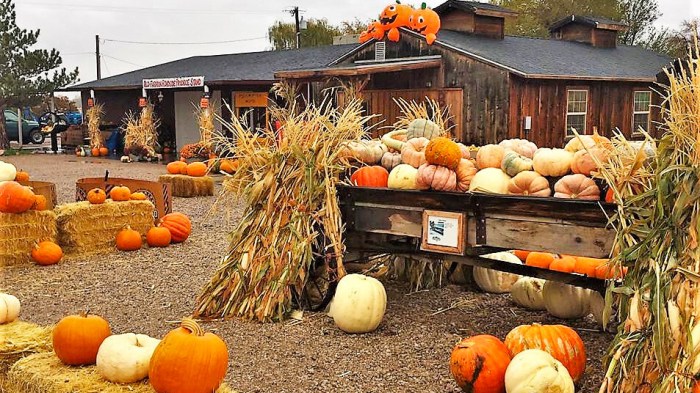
19	339
187	186
20	232
84	228
44	373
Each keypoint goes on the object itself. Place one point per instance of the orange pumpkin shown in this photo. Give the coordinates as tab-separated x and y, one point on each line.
15	198
179	226
413	151
539	259
436	177
529	183
176	167
76	338
564	264
370	176
96	196
522	254
128	240
188	360
696	387
158	237
490	156
138	196
197	169
606	272
444	152
47	253
40	203
95	152
577	186
104	151
393	17
560	341
229	166
120	193
610	196
588	266
465	173
478	364
584	163
426	22
21	176
375	31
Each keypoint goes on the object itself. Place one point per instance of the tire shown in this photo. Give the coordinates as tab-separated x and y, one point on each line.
36	137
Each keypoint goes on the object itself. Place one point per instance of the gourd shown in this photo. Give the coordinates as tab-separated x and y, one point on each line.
366	152
391	160
465	174
535	371
77	338
584	163
96	196
120	193
436	177
197	169
492	180
527	292
179	226
395	139
370	176
188	360
413	152
47	253
494	281
359	304
128	240
125	358
562	342
577	187
478	364
565	301
443	152
9	308
8	172
490	156
513	163
521	146
403	177
529	183
423	128
552	162
15	198
158	237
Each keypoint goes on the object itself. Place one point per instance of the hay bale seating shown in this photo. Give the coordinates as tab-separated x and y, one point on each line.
44	373
84	228
188	186
20	232
19	339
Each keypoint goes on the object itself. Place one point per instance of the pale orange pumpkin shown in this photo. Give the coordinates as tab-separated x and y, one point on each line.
529	183
490	156
465	173
577	187
584	163
436	177
413	152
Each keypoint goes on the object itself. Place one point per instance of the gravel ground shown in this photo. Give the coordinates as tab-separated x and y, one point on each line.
148	290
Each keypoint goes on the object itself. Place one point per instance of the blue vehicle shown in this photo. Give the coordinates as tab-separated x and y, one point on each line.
31	129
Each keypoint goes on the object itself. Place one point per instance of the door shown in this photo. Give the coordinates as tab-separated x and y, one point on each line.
11	125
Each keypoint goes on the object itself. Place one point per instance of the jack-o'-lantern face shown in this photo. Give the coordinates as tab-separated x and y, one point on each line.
374	31
425	21
395	15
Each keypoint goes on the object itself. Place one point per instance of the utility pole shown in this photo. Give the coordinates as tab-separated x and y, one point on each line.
97	57
297	26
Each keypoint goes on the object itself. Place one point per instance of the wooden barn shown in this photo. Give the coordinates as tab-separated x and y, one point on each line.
499	86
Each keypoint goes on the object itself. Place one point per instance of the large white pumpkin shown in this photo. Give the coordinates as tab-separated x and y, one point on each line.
565	301
125	358
494	281
9	308
536	371
552	162
7	171
359	304
403	177
492	180
527	292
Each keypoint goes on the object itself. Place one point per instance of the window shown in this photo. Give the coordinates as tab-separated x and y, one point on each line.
11	116
576	108
642	103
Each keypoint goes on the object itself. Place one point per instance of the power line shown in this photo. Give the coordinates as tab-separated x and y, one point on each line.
187	11
77	53
182	43
123	61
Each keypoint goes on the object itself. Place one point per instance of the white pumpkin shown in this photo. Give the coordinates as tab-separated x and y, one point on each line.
536	371
565	301
359	304
125	358
552	162
492	180
9	308
7	171
403	177
527	292
494	281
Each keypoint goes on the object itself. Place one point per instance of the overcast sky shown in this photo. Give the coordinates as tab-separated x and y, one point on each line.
71	26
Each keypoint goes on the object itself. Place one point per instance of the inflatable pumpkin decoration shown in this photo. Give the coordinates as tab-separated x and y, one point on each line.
393	17
426	22
375	30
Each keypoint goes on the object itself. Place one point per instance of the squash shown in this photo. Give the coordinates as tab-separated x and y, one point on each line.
577	187
466	154
584	162
391	160
552	162
565	301
521	146
370	176
435	177
494	281
359	304
443	152
364	151
562	342
527	292
413	152
47	253
394	140
465	173
15	198
9	308
423	128
403	177
513	163
490	156
539	259
478	364
492	180
529	183
125	358
77	338
8	172
535	371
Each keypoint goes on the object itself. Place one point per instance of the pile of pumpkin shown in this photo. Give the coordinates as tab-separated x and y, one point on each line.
589	267
14	197
532	358
82	151
199	169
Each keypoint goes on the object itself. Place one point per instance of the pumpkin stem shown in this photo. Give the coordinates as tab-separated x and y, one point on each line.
192	325
85	313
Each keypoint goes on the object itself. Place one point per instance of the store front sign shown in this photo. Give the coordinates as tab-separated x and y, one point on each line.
174	83
245	99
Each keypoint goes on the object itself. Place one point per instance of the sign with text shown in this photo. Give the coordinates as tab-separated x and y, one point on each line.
248	99
443	232
174	83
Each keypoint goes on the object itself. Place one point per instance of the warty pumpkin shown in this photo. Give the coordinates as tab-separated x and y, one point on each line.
413	152
370	176
534	370
21	176
9	308
403	177
77	338
197	169
529	183
490	156
435	177
478	364
120	193
423	128
47	253
125	358
158	237
96	196
552	162
15	198
527	292
465	174
443	152
179	226
565	301
577	187
513	163
128	240
359	304
391	160
492	180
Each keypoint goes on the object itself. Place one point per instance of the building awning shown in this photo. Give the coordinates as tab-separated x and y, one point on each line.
362	68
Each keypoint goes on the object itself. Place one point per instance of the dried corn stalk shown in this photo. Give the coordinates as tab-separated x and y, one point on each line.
141	130
206	118
657	222
412	110
94	117
292	215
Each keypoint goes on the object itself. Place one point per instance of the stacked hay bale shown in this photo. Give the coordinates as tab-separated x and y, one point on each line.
20	232
188	186
19	339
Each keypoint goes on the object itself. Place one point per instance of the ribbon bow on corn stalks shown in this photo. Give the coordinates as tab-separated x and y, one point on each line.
292	212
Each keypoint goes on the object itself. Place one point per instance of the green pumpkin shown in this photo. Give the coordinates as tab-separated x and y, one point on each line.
423	128
513	163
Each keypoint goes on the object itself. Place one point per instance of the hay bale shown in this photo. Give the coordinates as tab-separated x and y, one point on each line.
187	186
44	373
19	233
19	339
84	228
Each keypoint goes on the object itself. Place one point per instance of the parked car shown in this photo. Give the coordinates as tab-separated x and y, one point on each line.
31	130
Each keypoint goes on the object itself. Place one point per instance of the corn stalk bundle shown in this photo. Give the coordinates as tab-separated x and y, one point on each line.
428	109
292	213
657	222
205	120
141	130
94	117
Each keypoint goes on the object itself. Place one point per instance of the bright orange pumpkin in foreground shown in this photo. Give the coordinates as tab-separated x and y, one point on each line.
128	240
47	253
179	226
15	198
76	338
158	237
478	364
370	176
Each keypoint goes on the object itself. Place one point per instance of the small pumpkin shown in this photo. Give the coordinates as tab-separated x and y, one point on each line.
539	259
605	271
423	128
521	146
565	301
21	176
522	254
403	177
40	203
96	196
125	358
527	292
465	174
577	187
104	151
413	152
77	338
391	160
494	281
610	195
8	172
9	308
188	360
370	176
176	167
138	196
513	163
47	253
588	266
584	163
359	304
197	169
229	166
179	226
490	156
478	364
15	198
492	180
534	370
120	193
95	152
443	152
435	177
565	264
158	237
552	162
128	240
529	183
